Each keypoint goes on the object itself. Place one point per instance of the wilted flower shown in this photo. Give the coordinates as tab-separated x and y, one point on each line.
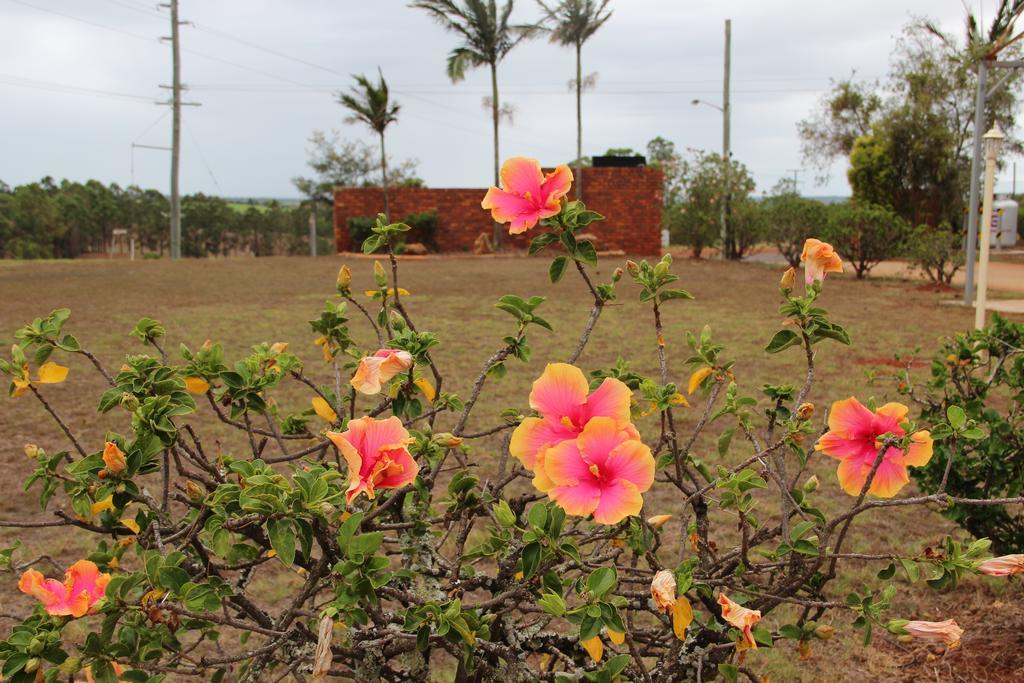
819	258
1003	566
527	196
853	439
948	632
378	369
663	590
740	617
377	455
83	586
113	457
805	410
278	347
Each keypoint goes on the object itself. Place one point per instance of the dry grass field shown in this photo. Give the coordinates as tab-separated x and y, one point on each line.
243	302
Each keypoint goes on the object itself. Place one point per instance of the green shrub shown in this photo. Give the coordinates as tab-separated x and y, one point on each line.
790	220
979	375
747	222
692	226
937	252
424	229
866	234
359	228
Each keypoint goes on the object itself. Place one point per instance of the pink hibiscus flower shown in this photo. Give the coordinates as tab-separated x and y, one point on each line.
83	587
378	369
376	453
853	439
562	396
602	472
527	196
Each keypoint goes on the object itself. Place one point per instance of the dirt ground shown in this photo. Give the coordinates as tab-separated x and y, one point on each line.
243	302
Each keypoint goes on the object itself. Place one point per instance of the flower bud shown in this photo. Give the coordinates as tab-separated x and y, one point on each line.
658	521
129	402
825	632
661	270
788	280
31	665
811	485
194	490
36	645
805	410
447	440
279	347
113	457
31	451
632	268
380	276
207	345
616	274
326	509
344	279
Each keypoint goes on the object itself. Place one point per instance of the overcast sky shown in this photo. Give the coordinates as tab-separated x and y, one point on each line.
79	79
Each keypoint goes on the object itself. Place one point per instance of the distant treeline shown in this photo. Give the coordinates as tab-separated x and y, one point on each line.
69	219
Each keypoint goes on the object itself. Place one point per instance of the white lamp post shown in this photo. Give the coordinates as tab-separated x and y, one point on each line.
993	140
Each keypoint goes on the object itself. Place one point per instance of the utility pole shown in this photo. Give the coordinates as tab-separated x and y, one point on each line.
726	153
796	178
176	104
175	130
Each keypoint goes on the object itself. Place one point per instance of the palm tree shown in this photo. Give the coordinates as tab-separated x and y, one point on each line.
571	23
370	104
487	36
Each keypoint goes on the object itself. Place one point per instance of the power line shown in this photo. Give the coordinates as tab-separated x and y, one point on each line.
51	86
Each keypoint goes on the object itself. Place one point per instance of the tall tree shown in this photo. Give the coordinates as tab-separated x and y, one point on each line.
371	104
487	35
571	23
908	138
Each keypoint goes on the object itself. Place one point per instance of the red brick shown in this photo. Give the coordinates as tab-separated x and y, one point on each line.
629	198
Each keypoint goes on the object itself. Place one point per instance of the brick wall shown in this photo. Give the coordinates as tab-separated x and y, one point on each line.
629	198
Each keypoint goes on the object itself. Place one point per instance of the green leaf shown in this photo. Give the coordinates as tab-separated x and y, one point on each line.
782	340
503	513
888	572
791	631
957	417
282	539
541	242
531	559
724	440
674	294
586	253
552	603
601	581
557	269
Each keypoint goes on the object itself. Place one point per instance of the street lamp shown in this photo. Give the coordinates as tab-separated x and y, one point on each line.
993	140
725	170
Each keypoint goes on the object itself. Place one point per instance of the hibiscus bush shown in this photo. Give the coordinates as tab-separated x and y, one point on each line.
385	534
977	379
